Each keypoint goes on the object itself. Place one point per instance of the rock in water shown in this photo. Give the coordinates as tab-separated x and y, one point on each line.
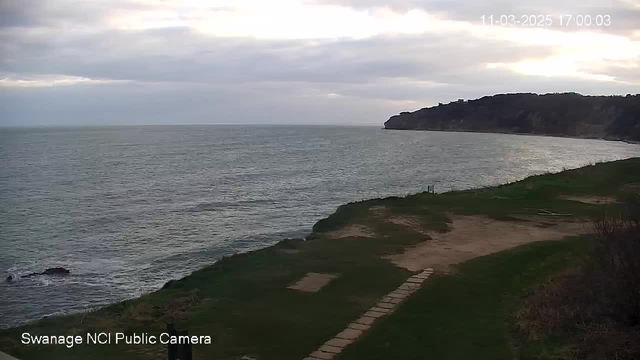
50	271
55	271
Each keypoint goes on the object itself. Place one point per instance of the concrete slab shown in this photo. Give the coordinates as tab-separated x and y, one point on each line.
4	356
322	355
358	326
377	309
339	342
312	282
330	349
374	314
349	334
386	305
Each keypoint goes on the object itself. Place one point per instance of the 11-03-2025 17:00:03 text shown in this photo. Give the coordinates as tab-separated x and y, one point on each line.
547	20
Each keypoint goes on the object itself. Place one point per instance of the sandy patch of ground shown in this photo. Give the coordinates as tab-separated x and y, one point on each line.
290	251
473	236
411	222
595	200
312	282
353	230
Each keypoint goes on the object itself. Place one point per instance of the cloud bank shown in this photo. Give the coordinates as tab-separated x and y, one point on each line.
70	62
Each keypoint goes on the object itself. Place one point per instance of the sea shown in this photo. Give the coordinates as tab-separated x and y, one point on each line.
128	208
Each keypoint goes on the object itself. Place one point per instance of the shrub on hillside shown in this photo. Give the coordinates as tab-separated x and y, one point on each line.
595	309
617	259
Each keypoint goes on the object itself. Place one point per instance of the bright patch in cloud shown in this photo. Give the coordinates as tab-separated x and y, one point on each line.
282	20
51	81
580	55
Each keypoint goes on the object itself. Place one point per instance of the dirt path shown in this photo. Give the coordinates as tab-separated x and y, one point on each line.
473	236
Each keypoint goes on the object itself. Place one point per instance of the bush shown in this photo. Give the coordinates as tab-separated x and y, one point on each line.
594	309
617	257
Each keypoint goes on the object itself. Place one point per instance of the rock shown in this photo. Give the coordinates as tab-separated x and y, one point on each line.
55	271
50	271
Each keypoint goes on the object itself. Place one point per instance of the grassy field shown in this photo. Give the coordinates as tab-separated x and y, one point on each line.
468	314
244	304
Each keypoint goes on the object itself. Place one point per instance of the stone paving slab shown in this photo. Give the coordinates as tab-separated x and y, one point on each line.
363	323
349	334
358	326
385	305
339	342
377	309
366	320
4	356
374	314
322	355
396	295
330	349
312	282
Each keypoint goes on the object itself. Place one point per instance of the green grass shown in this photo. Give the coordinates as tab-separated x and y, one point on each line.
243	303
469	314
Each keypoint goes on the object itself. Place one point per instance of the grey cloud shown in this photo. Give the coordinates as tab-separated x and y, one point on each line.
179	55
178	75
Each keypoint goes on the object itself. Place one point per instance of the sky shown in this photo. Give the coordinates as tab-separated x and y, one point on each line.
116	62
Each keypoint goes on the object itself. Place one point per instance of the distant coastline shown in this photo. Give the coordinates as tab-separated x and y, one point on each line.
614	118
632	142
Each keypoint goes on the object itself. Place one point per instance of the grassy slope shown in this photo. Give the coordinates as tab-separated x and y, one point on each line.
243	303
467	315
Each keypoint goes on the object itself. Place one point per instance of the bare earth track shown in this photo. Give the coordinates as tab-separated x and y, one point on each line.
473	236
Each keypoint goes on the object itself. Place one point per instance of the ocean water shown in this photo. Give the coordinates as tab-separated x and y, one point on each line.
128	208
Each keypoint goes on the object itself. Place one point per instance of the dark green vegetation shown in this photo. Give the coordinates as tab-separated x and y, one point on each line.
568	114
244	304
468	314
591	312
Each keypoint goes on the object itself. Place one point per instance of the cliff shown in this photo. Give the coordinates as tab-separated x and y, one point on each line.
567	114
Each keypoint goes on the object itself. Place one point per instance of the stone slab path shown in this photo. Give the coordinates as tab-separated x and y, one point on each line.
358	327
4	356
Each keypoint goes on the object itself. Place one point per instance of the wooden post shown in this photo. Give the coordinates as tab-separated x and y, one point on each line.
184	350
172	349
178	351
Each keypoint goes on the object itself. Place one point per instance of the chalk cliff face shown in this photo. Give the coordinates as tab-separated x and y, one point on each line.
568	114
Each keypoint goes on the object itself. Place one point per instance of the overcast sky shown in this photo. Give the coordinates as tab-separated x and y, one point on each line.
93	62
